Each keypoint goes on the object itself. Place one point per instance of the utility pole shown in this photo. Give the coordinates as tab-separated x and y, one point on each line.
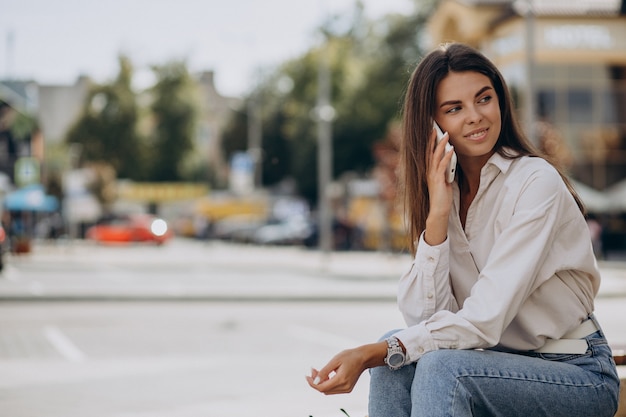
325	114
10	55
255	138
529	20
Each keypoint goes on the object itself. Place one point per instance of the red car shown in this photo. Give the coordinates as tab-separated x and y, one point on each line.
132	228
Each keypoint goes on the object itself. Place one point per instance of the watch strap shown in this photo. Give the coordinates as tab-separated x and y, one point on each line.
394	348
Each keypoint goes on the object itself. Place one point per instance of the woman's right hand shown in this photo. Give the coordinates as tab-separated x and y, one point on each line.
439	191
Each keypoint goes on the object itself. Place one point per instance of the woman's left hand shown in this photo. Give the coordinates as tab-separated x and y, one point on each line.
341	374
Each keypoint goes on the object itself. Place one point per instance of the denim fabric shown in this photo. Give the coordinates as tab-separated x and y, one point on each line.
457	383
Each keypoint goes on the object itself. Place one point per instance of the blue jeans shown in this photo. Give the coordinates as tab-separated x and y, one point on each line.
457	383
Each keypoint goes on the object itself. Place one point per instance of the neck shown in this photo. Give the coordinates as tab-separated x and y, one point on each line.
471	168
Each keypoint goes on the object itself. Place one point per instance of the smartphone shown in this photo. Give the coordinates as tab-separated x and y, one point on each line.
452	166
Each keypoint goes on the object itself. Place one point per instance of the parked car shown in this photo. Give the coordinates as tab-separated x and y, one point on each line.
131	228
291	231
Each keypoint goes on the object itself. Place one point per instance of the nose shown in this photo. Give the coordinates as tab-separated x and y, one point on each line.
473	115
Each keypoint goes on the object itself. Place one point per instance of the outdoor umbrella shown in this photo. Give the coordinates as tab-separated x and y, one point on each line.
30	198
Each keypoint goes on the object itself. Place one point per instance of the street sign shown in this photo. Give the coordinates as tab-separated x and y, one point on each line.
26	171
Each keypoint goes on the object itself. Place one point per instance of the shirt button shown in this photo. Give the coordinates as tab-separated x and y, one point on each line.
420	349
430	295
430	259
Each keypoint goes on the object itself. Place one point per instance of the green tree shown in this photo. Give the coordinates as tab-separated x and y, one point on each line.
235	135
175	111
369	63
366	112
107	129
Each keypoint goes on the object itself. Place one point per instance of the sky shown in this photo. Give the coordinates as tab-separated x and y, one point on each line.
54	42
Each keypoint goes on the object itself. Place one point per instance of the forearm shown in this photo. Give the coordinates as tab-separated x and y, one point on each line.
342	372
374	354
436	228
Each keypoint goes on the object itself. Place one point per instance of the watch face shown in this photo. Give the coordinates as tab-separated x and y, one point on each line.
396	359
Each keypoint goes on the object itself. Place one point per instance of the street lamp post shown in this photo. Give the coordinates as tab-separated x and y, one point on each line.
526	9
255	138
325	114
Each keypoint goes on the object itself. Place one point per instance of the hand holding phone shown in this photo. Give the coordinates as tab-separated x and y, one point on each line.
452	166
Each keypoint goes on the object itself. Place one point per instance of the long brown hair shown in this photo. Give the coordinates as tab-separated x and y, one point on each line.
418	112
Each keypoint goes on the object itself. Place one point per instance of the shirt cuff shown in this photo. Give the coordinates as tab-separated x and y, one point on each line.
427	257
417	341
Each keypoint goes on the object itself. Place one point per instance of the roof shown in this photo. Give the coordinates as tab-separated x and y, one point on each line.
18	94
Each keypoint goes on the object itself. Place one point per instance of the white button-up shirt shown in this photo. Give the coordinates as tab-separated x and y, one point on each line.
522	271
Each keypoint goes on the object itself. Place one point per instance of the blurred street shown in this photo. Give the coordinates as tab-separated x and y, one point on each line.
199	328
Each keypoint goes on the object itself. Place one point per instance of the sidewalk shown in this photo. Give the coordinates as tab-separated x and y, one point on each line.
262	273
211	271
81	271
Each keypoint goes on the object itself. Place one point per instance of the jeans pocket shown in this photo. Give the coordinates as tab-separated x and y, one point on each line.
563	357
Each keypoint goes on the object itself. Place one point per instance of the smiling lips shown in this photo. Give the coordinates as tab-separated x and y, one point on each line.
477	134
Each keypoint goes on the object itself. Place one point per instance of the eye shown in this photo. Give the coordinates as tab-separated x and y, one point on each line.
453	109
485	99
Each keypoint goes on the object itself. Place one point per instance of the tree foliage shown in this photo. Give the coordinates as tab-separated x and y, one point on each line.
175	111
370	62
107	130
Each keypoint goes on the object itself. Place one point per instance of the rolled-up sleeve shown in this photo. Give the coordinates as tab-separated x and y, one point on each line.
424	290
518	261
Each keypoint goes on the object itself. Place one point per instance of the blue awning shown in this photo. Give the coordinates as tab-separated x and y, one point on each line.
30	198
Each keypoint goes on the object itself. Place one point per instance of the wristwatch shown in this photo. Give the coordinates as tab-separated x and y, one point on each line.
395	355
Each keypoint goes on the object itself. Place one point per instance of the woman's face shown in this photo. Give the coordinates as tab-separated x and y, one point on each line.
467	108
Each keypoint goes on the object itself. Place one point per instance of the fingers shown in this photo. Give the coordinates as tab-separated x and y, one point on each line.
440	160
335	378
326	380
319	383
334	384
438	149
323	375
313	379
447	156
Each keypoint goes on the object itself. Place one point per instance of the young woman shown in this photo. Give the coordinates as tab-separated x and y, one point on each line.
499	299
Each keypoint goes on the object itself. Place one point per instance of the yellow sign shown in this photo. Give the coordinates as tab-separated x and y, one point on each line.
159	192
216	209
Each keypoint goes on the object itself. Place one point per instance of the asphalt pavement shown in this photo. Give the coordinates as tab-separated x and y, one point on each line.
287	273
203	271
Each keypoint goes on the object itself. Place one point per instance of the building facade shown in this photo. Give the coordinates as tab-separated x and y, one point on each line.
565	62
58	107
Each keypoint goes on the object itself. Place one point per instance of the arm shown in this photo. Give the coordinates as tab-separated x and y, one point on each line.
516	266
341	374
426	288
439	192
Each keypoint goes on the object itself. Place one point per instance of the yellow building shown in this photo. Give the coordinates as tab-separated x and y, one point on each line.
570	57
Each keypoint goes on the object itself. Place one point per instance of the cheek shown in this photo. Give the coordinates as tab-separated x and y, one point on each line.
498	125
496	120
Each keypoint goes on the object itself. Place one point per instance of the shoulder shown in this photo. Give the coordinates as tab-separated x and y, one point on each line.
535	183
532	182
531	164
535	171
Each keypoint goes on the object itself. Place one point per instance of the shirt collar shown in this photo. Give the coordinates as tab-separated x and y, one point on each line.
500	162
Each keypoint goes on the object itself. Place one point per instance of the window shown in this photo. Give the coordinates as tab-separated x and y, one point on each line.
580	106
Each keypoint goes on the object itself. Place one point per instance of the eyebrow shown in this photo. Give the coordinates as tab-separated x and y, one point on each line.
482	90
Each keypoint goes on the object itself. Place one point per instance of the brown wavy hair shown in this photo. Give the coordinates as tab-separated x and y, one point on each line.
418	113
